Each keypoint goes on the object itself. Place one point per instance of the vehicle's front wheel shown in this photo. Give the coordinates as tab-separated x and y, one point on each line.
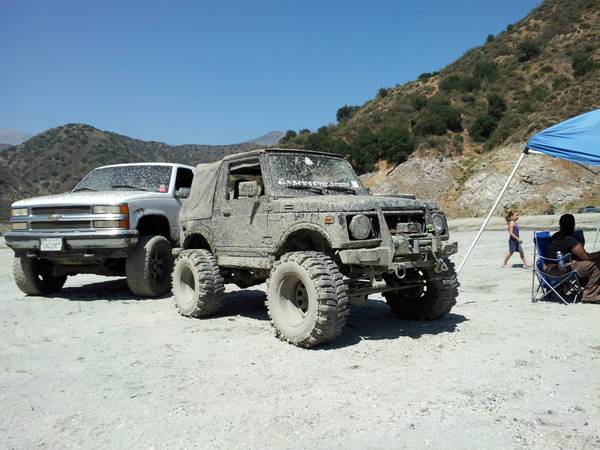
148	268
307	298
35	277
197	283
430	299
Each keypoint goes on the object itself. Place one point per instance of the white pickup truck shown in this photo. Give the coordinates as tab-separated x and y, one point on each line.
119	220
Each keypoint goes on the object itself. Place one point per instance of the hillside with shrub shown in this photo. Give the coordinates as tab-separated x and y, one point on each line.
540	70
54	161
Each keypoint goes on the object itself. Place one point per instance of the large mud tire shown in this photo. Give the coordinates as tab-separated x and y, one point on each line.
149	267
197	284
307	299
432	301
34	276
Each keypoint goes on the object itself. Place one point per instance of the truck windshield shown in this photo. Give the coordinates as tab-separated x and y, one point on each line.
313	174
123	178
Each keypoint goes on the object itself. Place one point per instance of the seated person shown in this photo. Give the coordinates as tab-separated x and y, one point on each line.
586	264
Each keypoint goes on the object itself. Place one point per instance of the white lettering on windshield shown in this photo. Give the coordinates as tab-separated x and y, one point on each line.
325	184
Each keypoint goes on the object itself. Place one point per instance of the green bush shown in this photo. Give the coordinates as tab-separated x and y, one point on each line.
382	92
483	127
485	71
560	83
418	101
582	63
430	124
528	50
489	38
449	115
345	112
458	83
289	134
396	144
539	92
496	105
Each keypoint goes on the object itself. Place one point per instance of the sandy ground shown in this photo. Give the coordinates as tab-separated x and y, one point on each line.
94	367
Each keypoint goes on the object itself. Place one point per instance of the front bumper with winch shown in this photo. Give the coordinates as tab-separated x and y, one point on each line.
402	253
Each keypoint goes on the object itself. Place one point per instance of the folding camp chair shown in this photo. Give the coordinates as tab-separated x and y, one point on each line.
565	288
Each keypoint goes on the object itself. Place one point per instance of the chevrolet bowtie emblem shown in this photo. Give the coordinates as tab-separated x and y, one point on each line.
55	217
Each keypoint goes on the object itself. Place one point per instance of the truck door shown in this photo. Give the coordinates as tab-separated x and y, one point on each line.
242	216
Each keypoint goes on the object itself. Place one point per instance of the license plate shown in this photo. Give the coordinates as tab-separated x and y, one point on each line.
51	244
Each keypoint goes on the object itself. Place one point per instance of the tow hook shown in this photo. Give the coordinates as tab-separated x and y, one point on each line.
440	264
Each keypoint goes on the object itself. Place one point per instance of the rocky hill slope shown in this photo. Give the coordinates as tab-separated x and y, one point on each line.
55	160
448	128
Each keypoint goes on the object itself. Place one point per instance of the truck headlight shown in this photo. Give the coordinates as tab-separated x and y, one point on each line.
360	227
109	209
19	226
19	212
439	222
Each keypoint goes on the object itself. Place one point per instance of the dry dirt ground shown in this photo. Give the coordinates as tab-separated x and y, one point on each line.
95	367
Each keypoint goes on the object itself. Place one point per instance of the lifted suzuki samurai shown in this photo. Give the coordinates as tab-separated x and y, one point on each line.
302	221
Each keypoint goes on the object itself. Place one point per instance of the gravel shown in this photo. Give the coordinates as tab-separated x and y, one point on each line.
95	367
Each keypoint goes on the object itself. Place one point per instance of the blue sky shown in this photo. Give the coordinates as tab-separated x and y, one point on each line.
226	71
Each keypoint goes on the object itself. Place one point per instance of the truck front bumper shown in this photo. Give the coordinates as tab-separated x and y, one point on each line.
386	257
22	241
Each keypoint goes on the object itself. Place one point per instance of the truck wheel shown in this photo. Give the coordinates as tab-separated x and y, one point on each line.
307	299
149	266
432	300
197	283
34	276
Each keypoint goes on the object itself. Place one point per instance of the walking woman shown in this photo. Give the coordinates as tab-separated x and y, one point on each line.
514	241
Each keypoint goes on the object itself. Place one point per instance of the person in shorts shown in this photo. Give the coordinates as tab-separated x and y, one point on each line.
514	241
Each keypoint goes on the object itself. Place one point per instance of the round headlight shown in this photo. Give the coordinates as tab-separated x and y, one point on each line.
360	227
439	223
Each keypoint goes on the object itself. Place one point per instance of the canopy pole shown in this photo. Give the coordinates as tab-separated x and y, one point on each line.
489	216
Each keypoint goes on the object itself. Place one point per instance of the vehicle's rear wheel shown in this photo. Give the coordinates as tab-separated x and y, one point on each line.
148	268
307	298
35	277
430	299
197	283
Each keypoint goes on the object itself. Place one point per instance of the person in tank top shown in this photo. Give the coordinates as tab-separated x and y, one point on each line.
514	240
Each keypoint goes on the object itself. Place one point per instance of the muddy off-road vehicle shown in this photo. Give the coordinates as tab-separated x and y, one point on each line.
302	221
119	220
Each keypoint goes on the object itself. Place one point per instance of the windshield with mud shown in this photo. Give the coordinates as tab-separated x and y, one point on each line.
127	178
313	174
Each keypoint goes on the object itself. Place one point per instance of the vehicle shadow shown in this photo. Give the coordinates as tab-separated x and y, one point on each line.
246	302
374	321
110	290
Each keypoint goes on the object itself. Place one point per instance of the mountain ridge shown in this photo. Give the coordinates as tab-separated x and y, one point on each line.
55	160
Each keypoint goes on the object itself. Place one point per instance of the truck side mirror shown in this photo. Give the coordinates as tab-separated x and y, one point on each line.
182	192
248	189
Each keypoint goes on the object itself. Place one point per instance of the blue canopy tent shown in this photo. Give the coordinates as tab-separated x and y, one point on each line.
576	139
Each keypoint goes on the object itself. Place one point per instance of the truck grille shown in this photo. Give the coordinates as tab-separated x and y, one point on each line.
49	210
71	225
405	222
